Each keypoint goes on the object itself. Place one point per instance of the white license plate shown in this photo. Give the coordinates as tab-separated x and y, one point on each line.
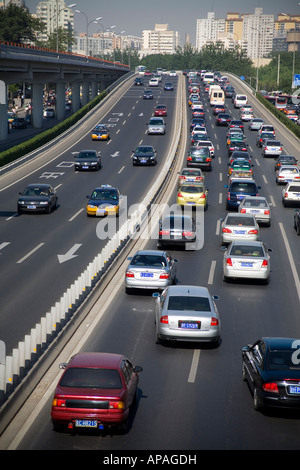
294	389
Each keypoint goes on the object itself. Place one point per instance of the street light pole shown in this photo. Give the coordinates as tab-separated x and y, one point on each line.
87	28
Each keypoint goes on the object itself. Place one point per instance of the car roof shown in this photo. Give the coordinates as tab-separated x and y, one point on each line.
95	359
246	242
274	343
188	289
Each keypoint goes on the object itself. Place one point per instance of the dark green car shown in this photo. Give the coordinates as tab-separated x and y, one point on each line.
199	156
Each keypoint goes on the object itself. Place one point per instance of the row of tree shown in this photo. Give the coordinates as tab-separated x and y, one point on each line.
17	25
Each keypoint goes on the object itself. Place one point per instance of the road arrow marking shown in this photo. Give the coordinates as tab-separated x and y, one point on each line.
116	154
70	254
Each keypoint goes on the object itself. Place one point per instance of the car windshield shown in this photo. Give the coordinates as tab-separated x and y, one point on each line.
149	260
247	251
247	221
281	360
195	172
156	122
199	304
273	143
104	194
86	155
36	191
144	149
178	223
88	377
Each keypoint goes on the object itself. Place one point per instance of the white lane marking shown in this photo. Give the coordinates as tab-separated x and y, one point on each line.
212	272
218	227
221	176
272	201
220	198
194	366
3	245
121	169
30	253
75	215
291	259
265	179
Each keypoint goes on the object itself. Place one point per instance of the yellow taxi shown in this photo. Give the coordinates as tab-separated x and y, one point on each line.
104	200
192	194
100	132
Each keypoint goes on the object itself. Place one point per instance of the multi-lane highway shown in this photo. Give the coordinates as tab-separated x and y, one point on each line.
190	396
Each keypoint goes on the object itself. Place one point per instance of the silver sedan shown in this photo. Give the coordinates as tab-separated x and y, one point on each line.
150	269
271	148
255	124
238	226
186	313
247	260
257	206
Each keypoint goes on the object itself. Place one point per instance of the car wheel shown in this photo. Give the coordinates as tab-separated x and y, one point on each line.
256	400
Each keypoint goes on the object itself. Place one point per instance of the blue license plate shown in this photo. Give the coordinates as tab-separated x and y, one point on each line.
146	274
239	232
294	389
86	423
189	325
246	265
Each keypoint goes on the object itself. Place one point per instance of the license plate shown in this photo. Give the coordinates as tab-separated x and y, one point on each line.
192	203
294	389
254	211
85	167
31	207
246	265
198	159
146	274
86	423
239	232
297	194
189	325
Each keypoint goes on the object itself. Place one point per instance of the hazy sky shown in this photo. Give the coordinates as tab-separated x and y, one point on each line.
135	15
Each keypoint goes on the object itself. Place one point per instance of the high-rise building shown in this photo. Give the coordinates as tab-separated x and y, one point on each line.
208	29
160	40
258	32
55	14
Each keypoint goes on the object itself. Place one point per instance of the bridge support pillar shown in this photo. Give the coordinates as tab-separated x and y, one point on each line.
37	105
75	97
3	111
60	101
85	93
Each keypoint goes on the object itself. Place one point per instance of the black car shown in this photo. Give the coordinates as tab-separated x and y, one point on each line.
37	198
19	123
271	367
139	81
87	160
229	92
176	229
236	146
297	221
223	119
144	155
285	160
236	123
238	189
148	95
217	109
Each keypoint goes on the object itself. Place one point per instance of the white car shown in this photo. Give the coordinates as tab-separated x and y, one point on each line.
210	145
246	116
172	73
153	82
288	174
49	112
237	226
266	128
257	206
291	194
255	124
240	100
246	260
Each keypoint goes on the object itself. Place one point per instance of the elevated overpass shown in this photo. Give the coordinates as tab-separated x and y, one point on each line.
37	66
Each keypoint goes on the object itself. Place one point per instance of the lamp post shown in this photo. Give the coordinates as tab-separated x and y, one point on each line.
87	27
57	17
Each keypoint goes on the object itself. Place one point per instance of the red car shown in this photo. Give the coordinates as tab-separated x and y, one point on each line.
160	110
96	390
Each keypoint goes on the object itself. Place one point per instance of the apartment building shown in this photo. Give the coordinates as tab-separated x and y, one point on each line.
208	30
160	40
55	14
258	33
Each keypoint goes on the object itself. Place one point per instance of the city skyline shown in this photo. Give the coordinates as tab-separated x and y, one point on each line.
133	18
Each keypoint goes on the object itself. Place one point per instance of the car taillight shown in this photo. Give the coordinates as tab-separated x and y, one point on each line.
182	177
226	230
208	159
286	194
116	405
214	321
164	232
179	194
264	264
187	234
189	159
199	178
243	211
164	276
228	261
203	196
267	212
129	274
271	387
59	402
164	319
253	232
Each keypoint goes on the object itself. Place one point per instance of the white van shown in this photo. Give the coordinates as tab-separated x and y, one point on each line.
240	100
208	77
217	98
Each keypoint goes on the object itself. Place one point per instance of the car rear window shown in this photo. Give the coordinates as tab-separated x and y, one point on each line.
247	221
179	223
149	260
88	377
243	187
191	189
247	251
294	188
200	304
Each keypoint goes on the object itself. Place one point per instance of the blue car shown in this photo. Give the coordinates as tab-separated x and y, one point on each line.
168	86
148	95
238	189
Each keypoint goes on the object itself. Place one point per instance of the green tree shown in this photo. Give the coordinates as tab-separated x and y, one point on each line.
59	38
18	25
